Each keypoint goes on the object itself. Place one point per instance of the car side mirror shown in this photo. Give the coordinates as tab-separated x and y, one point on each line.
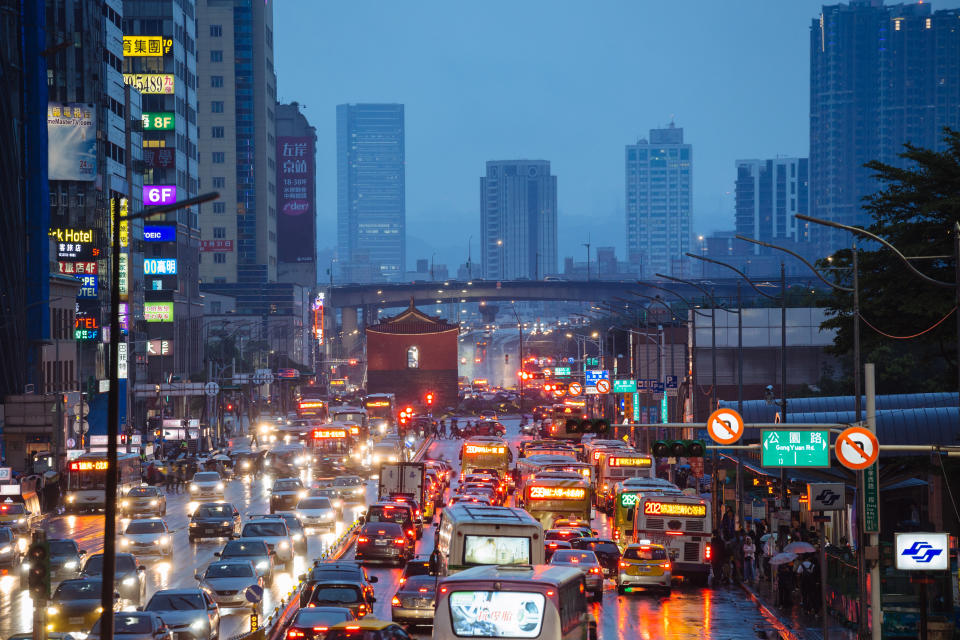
83	552
141	569
216	554
372	599
374	579
197	576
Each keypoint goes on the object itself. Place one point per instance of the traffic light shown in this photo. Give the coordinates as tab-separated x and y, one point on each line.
587	425
679	449
506	358
38	575
429	398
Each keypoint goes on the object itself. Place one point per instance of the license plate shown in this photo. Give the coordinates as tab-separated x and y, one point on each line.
208	530
77	620
380	543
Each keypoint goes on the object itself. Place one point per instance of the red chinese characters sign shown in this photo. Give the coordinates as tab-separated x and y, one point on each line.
73	268
160	158
296	174
216	245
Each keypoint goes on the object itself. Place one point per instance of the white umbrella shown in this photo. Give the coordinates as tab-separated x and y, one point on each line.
799	547
782	558
767	536
222	457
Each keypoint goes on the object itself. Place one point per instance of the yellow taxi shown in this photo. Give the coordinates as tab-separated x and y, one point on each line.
367	629
645	565
15	516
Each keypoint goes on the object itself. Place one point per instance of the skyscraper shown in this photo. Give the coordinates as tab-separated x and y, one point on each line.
768	195
658	181
880	76
518	220
237	90
296	197
371	192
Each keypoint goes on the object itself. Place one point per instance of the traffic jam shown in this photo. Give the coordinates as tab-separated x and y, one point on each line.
368	521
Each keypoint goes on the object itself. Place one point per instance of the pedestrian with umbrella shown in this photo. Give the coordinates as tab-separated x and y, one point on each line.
782	563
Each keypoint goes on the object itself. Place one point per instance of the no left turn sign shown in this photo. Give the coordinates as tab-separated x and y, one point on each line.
603	386
725	426
575	389
857	448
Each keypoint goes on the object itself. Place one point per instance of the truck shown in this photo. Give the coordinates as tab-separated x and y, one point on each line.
405	478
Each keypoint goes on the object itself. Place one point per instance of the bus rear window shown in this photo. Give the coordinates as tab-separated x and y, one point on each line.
497	614
496	550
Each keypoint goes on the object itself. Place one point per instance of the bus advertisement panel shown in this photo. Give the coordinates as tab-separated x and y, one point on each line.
312	408
472	535
680	523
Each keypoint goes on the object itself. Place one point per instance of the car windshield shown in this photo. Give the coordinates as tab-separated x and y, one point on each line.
644	553
78	590
417	568
336	593
604	548
387	529
287	485
206	476
145	526
141	492
387	513
244	549
264	529
348	481
62	548
314	503
417	584
214	511
175	602
326	617
128	623
13	509
229	570
94	565
573	556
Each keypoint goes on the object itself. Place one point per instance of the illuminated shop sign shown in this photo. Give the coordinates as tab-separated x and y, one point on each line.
159	194
657	508
88	287
158	121
144	46
76	268
557	493
150	82
159	233
159	266
158	311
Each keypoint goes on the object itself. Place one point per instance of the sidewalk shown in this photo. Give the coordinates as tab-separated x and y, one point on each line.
794	623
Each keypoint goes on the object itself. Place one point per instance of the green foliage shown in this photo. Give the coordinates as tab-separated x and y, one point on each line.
915	210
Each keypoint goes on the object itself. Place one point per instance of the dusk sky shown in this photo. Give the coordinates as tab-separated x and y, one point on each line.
568	82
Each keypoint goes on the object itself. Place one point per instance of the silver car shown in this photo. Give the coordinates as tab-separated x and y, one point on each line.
351	488
274	533
149	536
317	513
135	625
415	601
188	612
207	484
144	500
229	582
587	562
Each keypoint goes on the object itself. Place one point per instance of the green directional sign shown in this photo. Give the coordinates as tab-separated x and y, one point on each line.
561	372
795	448
593	362
624	386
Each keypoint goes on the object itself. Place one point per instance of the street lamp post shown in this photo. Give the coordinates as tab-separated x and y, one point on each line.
113	403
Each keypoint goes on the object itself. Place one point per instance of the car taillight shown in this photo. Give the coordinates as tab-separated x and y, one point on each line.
400	541
295	633
594	569
616	534
395	602
665	565
707	552
321	629
402	580
411	532
624	565
363	539
423	589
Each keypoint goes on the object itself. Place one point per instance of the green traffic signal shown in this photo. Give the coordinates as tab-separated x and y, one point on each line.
678	449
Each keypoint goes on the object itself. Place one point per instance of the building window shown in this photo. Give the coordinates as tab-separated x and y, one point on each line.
413	358
219	157
216	81
215	306
219	183
219	207
220	258
219	232
216	106
216	55
216	31
216	132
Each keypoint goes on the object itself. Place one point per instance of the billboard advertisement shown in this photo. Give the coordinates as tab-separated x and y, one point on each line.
159	266
161	158
141	46
159	233
158	311
216	245
296	200
150	82
159	193
71	142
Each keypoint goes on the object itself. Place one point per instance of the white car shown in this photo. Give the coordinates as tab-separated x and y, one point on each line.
227	582
148	536
275	533
317	512
207	484
351	488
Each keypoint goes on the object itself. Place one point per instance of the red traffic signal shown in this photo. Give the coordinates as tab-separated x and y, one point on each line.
429	398
229	407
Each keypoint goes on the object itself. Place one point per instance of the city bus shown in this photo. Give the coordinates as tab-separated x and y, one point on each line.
564	421
553	495
485	453
529	467
87	480
354	417
381	411
681	523
313	408
625	496
477	534
331	443
615	465
538	602
592	449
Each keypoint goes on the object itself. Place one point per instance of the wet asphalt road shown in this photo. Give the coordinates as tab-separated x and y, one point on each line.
687	613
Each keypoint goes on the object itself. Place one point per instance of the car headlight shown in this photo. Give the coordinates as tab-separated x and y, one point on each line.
154	503
21	520
393	458
246	465
196	625
6	549
328	515
263	564
125	504
52	611
193	487
71	498
124	542
358	491
284	545
163	540
70	564
297	537
129	582
220	486
193	524
301	494
225	523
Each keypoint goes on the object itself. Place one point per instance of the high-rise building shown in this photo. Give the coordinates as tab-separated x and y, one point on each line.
160	38
237	95
659	202
296	197
518	220
371	192
880	76
768	195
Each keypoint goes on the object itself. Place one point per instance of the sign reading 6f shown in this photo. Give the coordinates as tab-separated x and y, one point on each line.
159	194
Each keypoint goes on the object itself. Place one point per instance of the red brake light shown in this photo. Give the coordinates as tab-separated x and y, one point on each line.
423	589
594	570
624	565
399	541
443	589
411	532
402	580
353	627
321	629
707	552
294	633
665	565
363	539
395	602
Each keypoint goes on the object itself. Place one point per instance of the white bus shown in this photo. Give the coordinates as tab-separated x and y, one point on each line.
539	602
87	480
681	523
615	465
476	534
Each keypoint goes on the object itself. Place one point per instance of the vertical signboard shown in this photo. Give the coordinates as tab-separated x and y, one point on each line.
296	199
871	499
71	142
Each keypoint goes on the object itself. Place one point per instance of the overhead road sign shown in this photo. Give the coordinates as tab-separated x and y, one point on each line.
857	448
795	448
826	496
624	386
211	388
725	426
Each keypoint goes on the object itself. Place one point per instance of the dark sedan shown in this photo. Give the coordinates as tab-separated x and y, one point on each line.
325	571
75	605
607	552
314	622
214	520
129	575
415	601
384	542
342	593
65	559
